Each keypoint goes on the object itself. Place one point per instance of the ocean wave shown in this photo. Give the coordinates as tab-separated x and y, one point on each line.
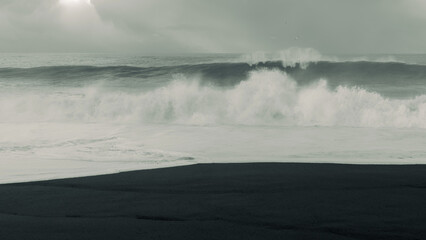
266	97
230	74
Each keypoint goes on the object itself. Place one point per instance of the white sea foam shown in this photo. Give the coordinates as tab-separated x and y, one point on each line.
289	57
265	98
303	56
56	150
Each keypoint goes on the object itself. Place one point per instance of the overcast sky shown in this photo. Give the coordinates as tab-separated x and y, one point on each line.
188	26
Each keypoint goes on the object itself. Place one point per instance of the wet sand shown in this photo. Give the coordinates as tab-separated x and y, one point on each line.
223	201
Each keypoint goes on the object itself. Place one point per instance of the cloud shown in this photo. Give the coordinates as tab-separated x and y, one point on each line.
46	25
186	26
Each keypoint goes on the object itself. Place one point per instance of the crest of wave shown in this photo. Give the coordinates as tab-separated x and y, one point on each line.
289	57
265	98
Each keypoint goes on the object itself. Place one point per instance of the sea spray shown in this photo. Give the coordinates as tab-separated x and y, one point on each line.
266	97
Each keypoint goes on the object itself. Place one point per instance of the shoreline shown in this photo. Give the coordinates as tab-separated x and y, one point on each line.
223	201
88	174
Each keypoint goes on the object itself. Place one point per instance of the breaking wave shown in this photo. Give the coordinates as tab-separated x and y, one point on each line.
290	57
266	97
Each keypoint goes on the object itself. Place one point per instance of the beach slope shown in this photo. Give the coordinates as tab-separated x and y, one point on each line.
223	201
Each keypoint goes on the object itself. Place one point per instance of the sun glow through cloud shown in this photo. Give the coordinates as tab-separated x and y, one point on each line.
74	2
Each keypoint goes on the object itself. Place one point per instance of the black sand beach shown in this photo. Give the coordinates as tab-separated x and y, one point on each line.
223	201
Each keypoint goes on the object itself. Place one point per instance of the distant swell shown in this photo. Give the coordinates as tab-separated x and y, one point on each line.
266	97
